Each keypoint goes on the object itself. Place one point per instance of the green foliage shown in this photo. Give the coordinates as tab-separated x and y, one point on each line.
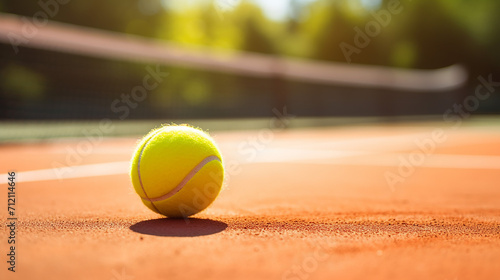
426	34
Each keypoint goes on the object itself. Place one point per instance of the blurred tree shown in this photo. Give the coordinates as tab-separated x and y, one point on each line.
438	38
256	29
329	28
427	34
480	22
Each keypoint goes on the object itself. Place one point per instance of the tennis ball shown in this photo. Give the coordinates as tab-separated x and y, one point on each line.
177	171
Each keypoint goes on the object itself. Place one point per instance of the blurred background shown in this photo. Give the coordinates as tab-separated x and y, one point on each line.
50	83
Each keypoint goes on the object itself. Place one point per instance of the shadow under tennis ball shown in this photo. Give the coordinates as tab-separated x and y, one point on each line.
179	227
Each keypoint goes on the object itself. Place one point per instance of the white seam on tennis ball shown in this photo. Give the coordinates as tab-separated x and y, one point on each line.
139	166
184	181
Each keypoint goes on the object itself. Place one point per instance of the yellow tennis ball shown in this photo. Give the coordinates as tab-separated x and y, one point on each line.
177	171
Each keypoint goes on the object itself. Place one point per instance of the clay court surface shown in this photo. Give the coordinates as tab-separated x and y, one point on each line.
310	203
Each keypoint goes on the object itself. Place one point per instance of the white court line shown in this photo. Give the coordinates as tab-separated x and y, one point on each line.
332	152
390	160
438	161
292	155
79	171
113	168
97	150
329	158
381	143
